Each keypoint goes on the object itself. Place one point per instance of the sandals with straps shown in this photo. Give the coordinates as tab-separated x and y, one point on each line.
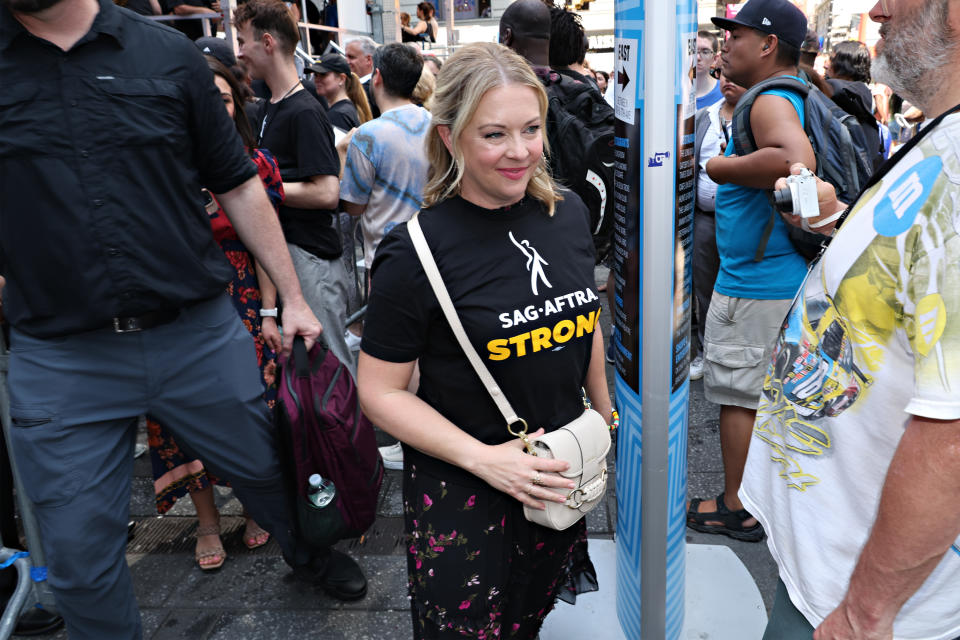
254	535
215	552
731	521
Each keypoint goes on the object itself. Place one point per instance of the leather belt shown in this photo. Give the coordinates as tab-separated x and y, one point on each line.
131	324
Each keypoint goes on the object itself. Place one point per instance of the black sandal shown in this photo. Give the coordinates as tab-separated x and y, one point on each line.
732	521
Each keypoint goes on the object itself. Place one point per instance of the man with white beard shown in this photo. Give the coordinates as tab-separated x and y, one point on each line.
854	467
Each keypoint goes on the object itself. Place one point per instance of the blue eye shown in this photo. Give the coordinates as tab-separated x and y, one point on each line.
533	128
492	135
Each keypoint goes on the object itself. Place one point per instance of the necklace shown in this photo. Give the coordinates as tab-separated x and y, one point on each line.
289	91
266	115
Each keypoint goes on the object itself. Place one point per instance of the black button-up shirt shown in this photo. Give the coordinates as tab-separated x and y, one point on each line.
103	153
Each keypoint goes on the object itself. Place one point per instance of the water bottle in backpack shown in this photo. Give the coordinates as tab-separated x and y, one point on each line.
321	491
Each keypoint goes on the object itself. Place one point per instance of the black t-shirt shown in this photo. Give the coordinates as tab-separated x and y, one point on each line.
298	134
343	115
535	344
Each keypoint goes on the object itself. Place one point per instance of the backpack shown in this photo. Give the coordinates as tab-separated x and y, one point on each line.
580	133
850	101
841	145
322	430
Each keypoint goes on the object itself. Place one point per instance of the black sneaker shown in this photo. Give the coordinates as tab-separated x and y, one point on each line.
37	622
341	579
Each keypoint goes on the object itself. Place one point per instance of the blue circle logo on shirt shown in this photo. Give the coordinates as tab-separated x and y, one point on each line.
904	199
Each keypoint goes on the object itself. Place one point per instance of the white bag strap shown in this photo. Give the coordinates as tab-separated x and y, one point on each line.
440	290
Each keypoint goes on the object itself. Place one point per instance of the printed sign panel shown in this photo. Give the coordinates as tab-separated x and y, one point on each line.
626	78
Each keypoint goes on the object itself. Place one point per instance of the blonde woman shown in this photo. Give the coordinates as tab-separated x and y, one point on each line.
426	85
517	258
348	105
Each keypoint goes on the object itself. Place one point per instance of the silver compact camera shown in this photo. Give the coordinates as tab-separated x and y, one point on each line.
800	196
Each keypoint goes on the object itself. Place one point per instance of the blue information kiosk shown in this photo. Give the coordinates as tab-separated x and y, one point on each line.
655	53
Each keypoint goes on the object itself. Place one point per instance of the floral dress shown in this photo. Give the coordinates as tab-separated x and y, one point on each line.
174	472
500	583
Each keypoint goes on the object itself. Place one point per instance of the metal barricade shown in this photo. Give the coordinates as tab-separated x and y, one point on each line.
32	587
206	20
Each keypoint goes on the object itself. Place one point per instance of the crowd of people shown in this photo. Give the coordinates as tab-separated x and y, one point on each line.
838	420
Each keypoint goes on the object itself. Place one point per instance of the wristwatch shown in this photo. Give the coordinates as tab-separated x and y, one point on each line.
268	313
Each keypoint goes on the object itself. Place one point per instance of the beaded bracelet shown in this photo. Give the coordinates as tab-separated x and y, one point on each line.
616	420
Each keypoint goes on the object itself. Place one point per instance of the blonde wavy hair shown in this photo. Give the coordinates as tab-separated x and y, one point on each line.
426	85
465	78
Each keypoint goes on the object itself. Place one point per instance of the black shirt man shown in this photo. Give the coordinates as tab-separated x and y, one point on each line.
110	124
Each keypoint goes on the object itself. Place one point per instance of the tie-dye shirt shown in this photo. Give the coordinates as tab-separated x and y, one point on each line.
386	169
872	340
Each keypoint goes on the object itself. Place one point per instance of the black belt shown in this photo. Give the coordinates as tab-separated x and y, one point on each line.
704	211
149	320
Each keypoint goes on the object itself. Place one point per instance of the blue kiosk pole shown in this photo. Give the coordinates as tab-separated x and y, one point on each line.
655	104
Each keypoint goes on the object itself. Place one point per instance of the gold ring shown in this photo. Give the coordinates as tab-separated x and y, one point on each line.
537	480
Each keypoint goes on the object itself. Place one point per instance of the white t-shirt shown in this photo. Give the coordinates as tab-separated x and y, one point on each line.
386	170
873	338
709	148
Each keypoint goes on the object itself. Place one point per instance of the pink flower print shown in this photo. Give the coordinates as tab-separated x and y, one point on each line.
419	563
539	546
465	605
427	502
471	502
430	573
516	625
438	549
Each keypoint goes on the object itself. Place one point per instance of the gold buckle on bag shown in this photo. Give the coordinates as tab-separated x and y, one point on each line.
522	434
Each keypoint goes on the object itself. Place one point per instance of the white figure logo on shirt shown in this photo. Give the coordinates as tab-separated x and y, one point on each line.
535	263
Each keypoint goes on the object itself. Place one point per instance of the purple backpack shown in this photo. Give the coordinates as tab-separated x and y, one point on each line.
323	431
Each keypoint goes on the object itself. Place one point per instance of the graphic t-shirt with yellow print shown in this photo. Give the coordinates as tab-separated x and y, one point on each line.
872	339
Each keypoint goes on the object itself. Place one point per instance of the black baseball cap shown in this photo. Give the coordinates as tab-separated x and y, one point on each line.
330	62
218	48
777	17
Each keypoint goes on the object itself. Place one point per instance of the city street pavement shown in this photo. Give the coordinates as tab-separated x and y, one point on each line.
254	598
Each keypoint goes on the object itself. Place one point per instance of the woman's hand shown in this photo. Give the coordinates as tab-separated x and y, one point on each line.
271	333
507	468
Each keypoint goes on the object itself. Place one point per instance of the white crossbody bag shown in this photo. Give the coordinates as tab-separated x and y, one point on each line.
583	443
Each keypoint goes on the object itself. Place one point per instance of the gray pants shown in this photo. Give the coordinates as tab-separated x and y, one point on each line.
74	407
324	284
786	622
706	266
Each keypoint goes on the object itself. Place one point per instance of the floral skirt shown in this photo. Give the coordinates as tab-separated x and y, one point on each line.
477	567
